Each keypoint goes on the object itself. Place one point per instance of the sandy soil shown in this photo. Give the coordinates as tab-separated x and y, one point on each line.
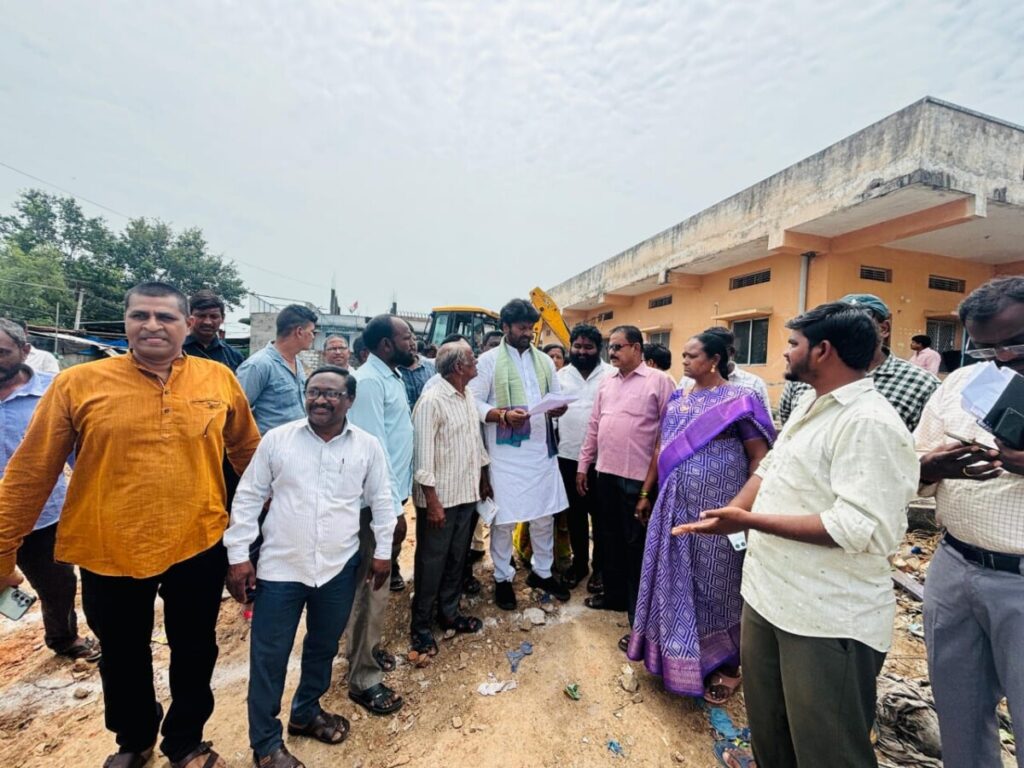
51	711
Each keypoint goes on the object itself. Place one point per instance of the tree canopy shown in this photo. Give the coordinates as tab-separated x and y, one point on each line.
49	249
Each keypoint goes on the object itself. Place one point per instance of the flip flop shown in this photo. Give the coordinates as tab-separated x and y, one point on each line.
386	661
373	699
88	649
424	644
463	625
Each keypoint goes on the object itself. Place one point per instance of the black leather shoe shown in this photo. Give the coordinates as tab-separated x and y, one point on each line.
599	603
504	595
551	585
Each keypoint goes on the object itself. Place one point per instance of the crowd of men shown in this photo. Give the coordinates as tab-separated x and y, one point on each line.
192	469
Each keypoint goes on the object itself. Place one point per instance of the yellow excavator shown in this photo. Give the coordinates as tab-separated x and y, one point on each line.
476	322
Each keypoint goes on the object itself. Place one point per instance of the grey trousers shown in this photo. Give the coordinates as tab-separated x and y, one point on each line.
810	700
440	556
367	619
974	629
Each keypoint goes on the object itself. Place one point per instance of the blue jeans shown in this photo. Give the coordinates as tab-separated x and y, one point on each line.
275	618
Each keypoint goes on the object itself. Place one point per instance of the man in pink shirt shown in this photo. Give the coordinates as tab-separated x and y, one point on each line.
924	356
622	434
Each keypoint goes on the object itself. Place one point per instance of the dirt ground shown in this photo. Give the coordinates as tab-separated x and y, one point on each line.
51	711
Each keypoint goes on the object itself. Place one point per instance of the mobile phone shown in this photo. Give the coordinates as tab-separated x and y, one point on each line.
14	603
965	441
738	541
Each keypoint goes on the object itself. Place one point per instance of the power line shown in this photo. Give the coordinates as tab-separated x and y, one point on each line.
126	216
62	189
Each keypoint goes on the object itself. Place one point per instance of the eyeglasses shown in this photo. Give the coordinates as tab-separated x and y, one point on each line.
1008	352
333	395
617	347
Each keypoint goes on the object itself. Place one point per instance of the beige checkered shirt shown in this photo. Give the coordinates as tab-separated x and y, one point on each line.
988	514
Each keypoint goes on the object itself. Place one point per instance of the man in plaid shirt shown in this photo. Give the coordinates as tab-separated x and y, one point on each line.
905	386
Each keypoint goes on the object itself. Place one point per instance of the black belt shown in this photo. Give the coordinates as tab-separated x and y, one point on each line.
996	561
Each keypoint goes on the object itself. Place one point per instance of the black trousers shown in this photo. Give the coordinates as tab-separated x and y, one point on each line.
810	700
55	583
120	612
622	539
440	558
583	511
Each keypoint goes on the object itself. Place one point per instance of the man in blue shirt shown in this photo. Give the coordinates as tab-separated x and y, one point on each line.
417	374
205	318
273	377
55	583
382	409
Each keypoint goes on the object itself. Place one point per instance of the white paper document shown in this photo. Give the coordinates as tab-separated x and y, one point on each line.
487	510
551	401
980	394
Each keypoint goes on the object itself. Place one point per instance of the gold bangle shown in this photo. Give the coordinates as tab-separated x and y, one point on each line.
644	494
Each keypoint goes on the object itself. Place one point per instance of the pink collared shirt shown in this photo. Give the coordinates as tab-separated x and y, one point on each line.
623	427
928	359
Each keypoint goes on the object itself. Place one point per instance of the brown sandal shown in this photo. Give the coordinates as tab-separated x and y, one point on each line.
128	759
325	727
203	753
279	758
720	687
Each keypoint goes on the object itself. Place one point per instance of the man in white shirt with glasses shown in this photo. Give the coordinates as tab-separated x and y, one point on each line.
974	596
315	471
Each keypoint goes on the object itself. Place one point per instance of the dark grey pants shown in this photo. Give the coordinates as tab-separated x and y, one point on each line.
440	557
810	700
974	629
55	583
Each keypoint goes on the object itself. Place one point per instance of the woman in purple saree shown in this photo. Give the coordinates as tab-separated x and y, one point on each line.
687	626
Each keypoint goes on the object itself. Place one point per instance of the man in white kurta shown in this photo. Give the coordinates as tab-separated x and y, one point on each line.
525	477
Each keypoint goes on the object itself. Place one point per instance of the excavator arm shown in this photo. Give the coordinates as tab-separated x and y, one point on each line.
550	316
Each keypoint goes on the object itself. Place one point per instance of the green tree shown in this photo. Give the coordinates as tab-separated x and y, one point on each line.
32	284
104	263
151	250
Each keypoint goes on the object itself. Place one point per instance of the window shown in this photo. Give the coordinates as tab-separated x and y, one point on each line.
951	284
944	334
754	278
660	337
880	274
604	317
661	301
751	341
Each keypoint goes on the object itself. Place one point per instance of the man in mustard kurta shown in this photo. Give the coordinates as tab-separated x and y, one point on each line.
144	515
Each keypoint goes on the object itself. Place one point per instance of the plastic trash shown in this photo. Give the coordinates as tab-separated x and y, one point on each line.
493	686
722	723
515	656
615	748
572	690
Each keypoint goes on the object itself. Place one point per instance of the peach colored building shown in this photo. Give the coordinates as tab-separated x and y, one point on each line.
919	208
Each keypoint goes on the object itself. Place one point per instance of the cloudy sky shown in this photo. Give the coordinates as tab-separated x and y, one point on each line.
457	152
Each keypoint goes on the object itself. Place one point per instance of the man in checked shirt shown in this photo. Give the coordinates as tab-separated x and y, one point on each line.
974	597
905	386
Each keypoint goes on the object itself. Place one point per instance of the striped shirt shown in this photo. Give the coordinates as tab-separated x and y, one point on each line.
449	450
312	528
987	514
905	386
